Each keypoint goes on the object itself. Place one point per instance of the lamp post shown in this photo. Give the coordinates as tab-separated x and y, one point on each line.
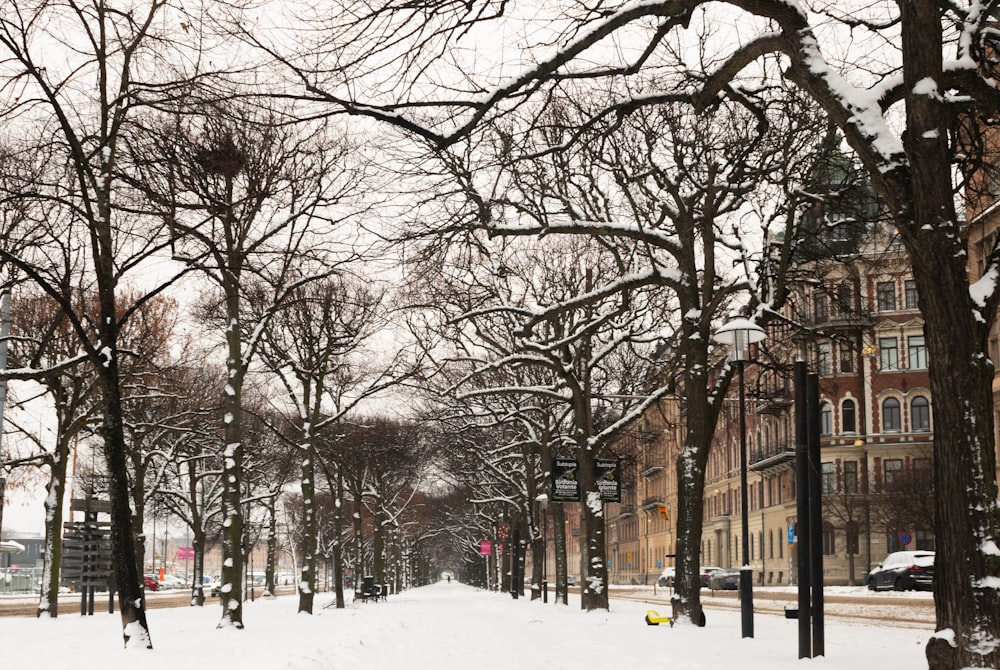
740	334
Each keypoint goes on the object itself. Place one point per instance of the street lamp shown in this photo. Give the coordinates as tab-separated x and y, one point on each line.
740	334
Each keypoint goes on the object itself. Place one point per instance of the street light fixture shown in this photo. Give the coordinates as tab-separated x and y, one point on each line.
740	334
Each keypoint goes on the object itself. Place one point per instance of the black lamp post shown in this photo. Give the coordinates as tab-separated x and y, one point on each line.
740	334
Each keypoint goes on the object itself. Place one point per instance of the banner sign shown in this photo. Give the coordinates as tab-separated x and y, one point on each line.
565	485
184	553
608	479
485	548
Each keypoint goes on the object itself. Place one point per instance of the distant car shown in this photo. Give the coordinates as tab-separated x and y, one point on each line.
150	583
570	580
215	588
727	579
173	582
706	573
903	571
667	576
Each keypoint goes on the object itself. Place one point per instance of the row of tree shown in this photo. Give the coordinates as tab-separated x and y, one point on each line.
577	230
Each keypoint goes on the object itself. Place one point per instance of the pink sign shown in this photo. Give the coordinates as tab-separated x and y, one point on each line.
184	553
485	548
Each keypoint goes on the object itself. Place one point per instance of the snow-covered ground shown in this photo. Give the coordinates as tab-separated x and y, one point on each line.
447	627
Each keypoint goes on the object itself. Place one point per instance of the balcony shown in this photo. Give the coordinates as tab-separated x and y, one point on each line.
625	511
774	400
771	456
652	502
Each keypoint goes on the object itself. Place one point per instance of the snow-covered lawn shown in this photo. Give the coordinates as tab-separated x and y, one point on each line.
446	627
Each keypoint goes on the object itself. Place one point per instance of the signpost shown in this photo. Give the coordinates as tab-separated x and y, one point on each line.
86	558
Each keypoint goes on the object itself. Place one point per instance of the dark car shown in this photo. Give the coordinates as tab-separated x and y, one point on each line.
706	573
151	583
903	571
727	579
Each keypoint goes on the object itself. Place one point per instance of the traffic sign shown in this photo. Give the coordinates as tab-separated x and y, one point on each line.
905	538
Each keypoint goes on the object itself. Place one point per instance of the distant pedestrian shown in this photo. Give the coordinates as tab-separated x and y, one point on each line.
449	579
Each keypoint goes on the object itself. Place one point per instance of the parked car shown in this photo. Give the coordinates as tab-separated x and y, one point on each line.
570	580
903	571
667	576
151	583
706	573
173	582
727	579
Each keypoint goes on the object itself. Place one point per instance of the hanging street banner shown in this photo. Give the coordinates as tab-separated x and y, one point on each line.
485	548
566	484
608	479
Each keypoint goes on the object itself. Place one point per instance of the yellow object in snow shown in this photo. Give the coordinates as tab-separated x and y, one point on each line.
653	618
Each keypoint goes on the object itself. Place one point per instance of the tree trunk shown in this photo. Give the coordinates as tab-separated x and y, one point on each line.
594	577
48	604
307	584
691	464
338	542
559	538
232	467
359	544
198	544
964	464
378	546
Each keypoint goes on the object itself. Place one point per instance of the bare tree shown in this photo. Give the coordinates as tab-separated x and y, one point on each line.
929	66
77	100
319	345
247	200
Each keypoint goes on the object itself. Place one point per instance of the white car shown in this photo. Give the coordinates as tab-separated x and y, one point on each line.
667	576
173	582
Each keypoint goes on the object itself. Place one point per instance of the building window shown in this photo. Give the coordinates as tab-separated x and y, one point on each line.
890	415
829	478
910	294
826	419
846	357
821	307
844	295
829	539
850	476
886	295
848	417
893	469
920	415
924	540
888	353
916	350
823	363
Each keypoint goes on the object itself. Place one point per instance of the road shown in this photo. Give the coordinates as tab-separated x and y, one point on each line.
902	610
69	603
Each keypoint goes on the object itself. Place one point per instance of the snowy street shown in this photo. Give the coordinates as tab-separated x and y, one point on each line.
448	627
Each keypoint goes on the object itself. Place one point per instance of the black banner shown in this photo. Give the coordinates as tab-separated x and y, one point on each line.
608	479
566	483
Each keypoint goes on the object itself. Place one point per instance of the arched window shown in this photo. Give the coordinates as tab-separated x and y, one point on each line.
920	414
848	417
890	415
